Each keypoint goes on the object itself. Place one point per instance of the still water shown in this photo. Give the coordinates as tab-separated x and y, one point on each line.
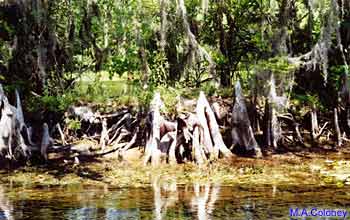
166	201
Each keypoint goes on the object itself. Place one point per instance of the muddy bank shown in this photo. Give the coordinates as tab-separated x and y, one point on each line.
301	168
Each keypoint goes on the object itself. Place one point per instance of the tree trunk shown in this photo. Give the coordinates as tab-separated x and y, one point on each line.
45	141
36	51
104	134
11	122
272	131
152	151
198	153
275	128
242	132
297	133
314	125
144	65
267	124
172	149
337	128
348	118
7	127
212	133
206	140
316	131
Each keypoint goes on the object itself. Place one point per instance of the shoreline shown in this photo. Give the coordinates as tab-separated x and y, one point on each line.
289	169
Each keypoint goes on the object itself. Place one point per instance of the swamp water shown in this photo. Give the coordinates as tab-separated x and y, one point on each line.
167	201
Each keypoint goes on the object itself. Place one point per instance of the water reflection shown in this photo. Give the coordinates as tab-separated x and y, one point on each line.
165	200
165	195
95	213
204	199
201	199
5	206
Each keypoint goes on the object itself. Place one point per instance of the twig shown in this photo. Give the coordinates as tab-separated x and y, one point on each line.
61	134
123	134
104	134
115	126
129	145
115	135
114	115
321	130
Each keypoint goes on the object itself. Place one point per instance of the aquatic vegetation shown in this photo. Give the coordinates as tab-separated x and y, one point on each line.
277	170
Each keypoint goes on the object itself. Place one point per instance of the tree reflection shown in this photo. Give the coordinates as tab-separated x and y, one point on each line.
165	195
200	199
5	206
203	199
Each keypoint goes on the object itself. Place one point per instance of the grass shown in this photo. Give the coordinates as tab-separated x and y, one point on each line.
108	94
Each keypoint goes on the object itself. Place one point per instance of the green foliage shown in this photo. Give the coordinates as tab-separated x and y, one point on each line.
52	103
108	36
159	67
282	71
124	62
277	66
309	99
5	46
335	74
169	97
72	124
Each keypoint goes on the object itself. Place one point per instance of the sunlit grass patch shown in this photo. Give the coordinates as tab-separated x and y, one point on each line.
109	94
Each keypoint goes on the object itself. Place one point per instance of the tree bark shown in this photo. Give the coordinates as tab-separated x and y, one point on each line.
337	128
45	141
297	133
206	136
242	132
104	134
211	129
11	123
198	153
172	149
144	65
314	125
348	118
152	151
272	131
316	131
7	127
